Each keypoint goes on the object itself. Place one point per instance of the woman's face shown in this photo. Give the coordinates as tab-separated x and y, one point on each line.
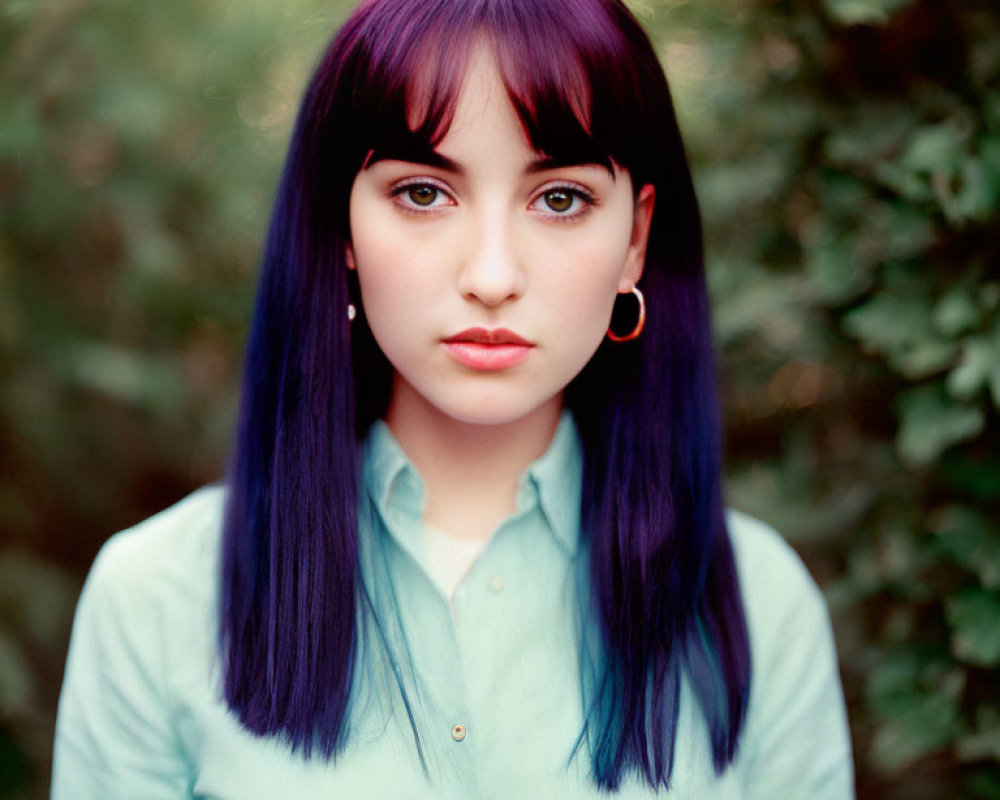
488	280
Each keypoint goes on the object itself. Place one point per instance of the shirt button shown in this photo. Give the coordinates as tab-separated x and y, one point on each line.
497	583
458	732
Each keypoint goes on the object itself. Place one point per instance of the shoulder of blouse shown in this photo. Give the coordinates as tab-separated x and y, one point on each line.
796	742
175	552
782	603
770	570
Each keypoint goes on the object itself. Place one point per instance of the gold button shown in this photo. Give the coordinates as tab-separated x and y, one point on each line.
497	583
458	733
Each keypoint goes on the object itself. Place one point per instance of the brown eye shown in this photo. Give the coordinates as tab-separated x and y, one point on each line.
559	200
422	194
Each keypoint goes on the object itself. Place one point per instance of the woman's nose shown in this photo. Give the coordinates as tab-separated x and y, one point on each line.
491	271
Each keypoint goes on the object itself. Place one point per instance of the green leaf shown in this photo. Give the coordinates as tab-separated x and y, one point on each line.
937	166
978	368
907	184
909	232
972	539
924	358
995	372
931	723
973	370
930	423
977	195
937	148
888	322
903	672
989	151
834	270
129	376
899	327
957	312
974	617
855	12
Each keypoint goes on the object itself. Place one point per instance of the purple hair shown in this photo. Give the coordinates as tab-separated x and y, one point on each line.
588	88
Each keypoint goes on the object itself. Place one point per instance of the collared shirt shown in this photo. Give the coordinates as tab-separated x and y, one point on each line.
491	675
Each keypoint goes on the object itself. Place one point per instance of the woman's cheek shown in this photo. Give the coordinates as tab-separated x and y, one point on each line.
591	279
390	269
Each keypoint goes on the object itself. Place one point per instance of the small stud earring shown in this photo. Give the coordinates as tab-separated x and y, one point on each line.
352	312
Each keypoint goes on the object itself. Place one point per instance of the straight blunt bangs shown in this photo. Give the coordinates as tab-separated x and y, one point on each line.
662	599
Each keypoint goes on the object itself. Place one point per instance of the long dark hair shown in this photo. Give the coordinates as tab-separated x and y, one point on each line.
587	86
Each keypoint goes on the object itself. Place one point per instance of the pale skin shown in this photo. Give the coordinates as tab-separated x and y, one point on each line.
498	240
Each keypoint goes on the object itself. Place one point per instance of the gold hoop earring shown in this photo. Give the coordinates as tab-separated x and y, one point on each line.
640	322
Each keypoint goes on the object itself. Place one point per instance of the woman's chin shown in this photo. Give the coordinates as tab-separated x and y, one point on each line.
472	405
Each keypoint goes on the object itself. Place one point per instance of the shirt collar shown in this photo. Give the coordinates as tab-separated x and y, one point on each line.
553	480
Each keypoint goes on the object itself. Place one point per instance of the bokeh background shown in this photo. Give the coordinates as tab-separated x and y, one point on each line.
847	154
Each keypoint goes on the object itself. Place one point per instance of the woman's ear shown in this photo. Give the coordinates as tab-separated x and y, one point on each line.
635	258
349	256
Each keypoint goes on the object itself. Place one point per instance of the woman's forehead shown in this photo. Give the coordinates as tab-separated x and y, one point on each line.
445	92
482	132
466	78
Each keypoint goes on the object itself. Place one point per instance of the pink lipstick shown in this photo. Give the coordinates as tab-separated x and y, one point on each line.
487	350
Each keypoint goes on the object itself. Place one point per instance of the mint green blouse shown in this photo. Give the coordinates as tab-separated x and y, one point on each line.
492	677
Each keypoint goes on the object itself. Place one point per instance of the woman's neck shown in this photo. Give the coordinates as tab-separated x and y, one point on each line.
470	471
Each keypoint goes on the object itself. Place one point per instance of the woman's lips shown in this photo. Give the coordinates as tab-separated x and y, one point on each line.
482	349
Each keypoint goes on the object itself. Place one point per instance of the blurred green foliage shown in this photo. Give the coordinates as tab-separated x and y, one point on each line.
847	154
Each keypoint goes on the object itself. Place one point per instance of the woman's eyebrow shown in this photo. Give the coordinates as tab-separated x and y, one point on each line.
428	157
422	156
545	162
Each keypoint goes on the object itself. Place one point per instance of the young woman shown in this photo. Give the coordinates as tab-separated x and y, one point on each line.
472	540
